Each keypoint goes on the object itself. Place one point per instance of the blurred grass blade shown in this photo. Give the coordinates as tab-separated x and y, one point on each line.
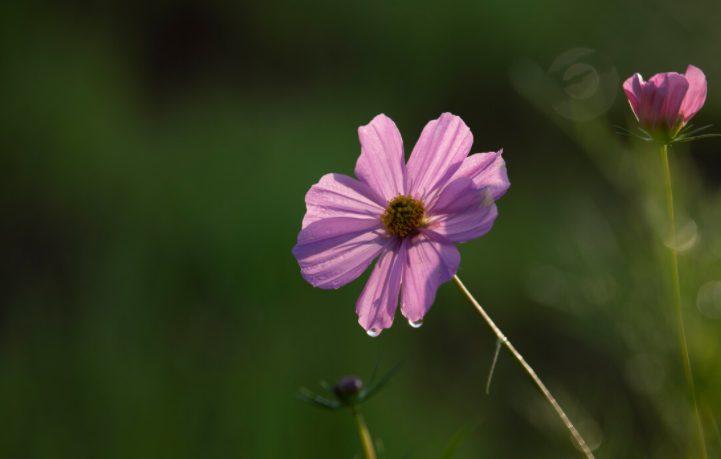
457	439
715	426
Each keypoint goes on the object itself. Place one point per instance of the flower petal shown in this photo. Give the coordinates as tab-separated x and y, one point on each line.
677	88
334	251
457	196
465	226
430	260
661	100
377	304
486	170
633	88
652	99
463	211
439	152
696	95
381	164
337	195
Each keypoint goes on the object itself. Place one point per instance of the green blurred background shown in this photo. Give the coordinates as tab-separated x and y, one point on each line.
153	164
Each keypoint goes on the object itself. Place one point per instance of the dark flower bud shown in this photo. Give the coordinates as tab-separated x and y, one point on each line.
348	388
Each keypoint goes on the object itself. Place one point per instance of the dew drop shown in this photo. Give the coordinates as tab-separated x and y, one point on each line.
373	332
416	324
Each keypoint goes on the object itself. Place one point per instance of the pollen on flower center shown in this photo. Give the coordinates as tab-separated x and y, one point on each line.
403	215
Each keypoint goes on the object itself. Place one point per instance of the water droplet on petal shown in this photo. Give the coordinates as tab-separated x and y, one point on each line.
373	332
416	324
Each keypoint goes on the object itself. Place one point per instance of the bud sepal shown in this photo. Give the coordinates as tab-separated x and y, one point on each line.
348	391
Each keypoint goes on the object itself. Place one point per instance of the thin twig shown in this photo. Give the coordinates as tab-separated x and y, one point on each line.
677	303
499	334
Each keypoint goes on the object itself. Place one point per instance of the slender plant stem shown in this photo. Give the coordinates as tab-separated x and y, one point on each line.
365	435
677	303
501	337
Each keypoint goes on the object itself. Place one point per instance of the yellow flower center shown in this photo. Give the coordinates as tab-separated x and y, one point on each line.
403	215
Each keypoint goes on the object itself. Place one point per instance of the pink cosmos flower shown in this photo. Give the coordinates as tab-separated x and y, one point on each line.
665	103
409	214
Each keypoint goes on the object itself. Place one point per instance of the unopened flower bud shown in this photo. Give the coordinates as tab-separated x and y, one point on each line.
348	388
665	103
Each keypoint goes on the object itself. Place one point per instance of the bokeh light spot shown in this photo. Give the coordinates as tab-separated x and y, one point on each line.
708	300
589	83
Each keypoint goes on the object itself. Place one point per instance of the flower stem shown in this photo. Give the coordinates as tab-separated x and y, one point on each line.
501	337
677	303
363	432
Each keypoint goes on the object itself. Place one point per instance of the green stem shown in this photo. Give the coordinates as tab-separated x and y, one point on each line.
677	303
365	435
502	338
